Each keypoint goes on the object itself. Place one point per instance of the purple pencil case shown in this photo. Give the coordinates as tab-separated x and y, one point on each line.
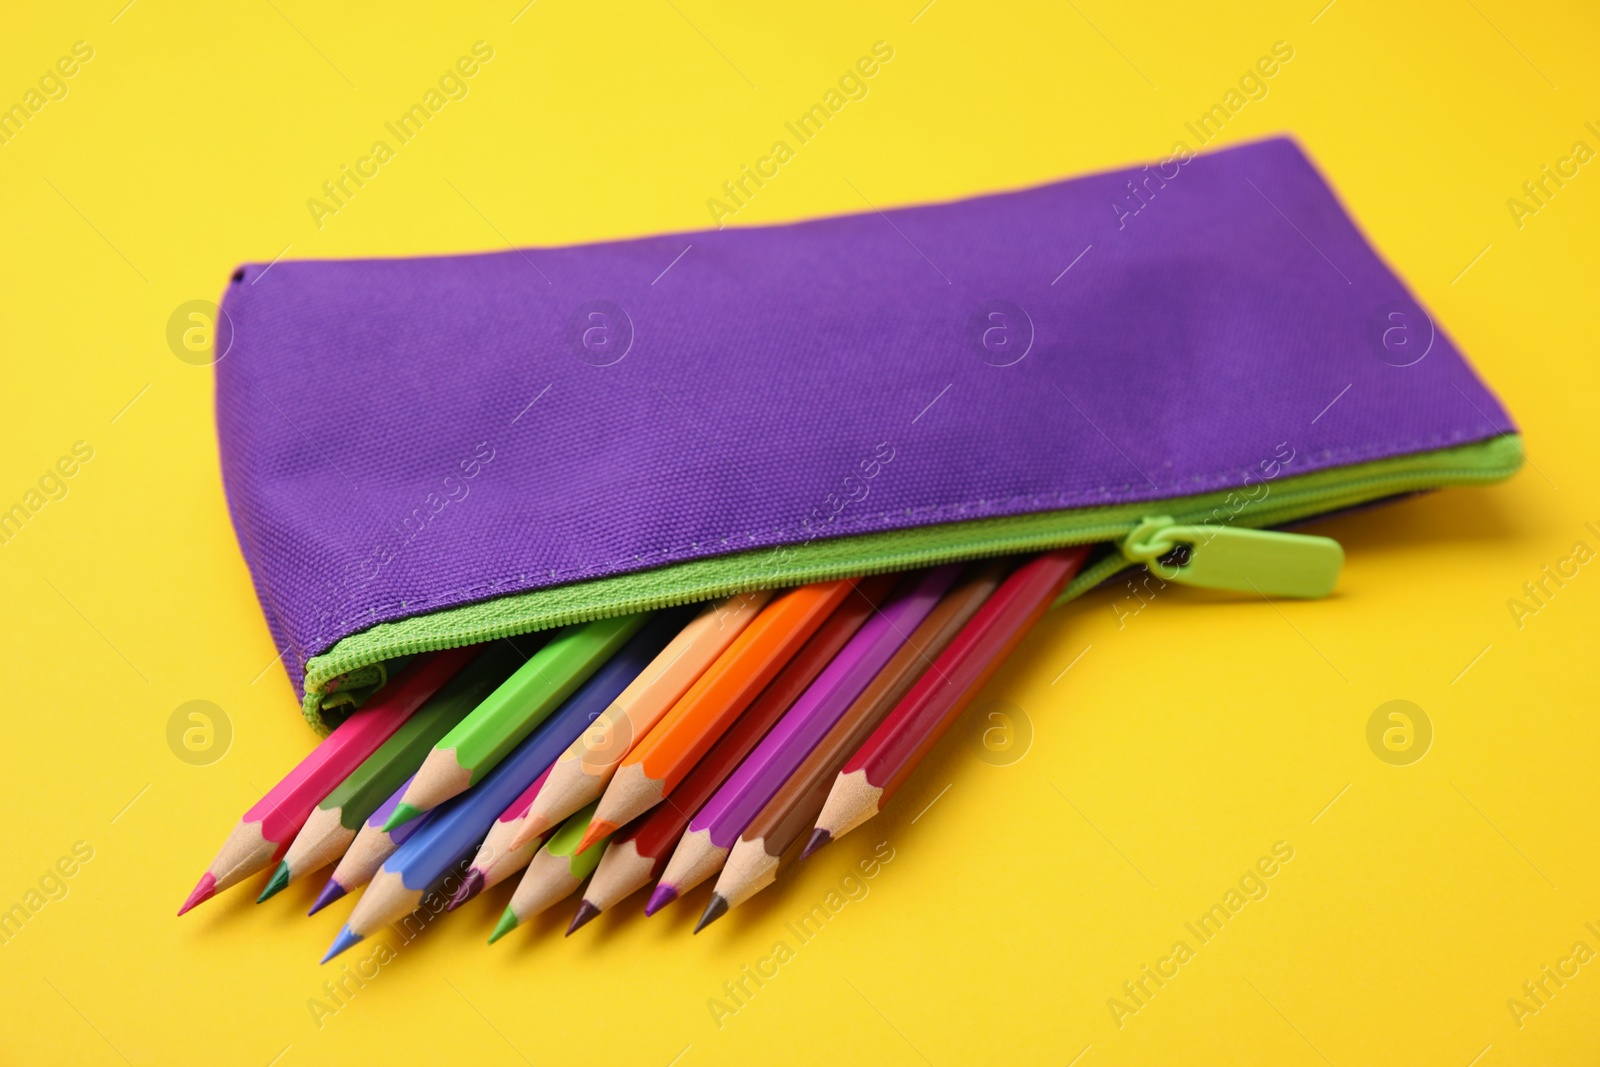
1165	362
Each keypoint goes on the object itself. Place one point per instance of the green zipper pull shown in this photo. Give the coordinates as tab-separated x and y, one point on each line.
1229	557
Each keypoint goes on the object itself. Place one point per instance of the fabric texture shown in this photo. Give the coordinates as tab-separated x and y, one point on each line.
402	436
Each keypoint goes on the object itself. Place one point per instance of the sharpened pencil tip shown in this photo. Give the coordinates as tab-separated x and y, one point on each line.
330	893
280	880
819	838
402	814
533	827
664	894
586	912
507	923
598	829
714	911
202	892
471	886
346	938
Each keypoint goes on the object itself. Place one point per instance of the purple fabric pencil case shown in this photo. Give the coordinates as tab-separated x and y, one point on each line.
422	453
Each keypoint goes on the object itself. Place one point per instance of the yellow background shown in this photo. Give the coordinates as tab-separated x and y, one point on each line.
1173	753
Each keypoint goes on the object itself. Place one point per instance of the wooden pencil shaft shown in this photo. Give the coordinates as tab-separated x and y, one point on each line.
359	795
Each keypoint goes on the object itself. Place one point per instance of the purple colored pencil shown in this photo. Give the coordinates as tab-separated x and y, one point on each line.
367	852
716	826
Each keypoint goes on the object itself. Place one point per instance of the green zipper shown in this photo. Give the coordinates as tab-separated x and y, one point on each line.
1269	502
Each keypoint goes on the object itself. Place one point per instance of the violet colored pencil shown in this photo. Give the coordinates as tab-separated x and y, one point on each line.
367	852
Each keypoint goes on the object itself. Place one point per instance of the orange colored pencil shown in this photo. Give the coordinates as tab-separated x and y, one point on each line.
677	743
579	776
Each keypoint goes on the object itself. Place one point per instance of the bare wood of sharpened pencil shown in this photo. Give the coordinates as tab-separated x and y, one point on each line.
372	845
496	859
554	872
385	900
321	841
246	851
622	870
548	879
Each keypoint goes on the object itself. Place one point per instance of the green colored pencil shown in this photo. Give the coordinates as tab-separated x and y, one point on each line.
495	727
336	821
552	875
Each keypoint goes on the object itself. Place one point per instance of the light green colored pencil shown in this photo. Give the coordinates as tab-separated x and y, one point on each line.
468	752
553	874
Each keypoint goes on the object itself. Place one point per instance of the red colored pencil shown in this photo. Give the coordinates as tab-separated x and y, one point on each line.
878	769
264	833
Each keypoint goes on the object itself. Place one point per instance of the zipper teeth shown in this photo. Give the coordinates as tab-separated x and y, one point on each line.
1289	504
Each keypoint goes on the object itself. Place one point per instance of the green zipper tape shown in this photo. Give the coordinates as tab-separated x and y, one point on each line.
1265	503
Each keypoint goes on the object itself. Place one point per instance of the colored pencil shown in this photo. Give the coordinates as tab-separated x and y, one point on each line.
263	834
451	831
373	844
659	762
581	774
334	824
554	872
716	827
793	809
465	754
496	860
650	839
877	770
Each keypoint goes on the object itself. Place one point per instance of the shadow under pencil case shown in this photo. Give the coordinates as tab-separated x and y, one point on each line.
423	453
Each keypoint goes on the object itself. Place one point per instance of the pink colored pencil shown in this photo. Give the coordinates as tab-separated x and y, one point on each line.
264	833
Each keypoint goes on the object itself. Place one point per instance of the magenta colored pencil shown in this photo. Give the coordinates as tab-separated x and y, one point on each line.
496	860
519	807
715	828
